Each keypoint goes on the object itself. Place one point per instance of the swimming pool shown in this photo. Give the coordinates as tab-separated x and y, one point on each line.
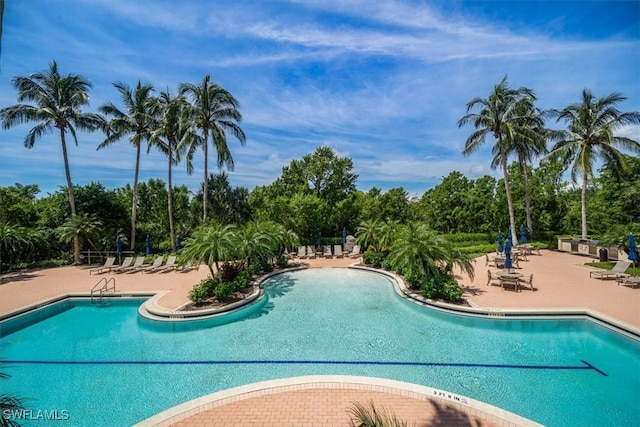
108	366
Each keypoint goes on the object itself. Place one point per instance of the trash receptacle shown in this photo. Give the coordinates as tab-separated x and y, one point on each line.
604	255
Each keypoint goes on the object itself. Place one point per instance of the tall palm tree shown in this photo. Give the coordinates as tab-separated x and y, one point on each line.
528	143
498	117
82	227
138	120
58	105
591	124
171	136
215	112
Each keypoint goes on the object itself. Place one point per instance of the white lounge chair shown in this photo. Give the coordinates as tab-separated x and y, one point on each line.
191	265
169	265
302	252
617	271
356	252
311	252
327	251
108	265
131	267
126	263
150	267
337	251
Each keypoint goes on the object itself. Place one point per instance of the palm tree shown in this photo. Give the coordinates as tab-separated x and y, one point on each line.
210	244
58	105
368	234
527	144
591	124
11	239
138	120
81	227
419	251
171	136
9	404
215	112
499	117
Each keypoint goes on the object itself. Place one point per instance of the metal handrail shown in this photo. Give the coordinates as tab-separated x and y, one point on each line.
97	288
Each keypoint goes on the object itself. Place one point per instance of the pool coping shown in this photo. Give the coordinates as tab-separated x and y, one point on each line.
210	401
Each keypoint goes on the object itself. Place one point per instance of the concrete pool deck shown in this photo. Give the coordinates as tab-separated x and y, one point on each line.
561	281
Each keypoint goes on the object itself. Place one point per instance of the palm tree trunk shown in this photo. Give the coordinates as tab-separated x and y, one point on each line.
205	188
527	196
72	199
134	199
507	189
584	206
172	233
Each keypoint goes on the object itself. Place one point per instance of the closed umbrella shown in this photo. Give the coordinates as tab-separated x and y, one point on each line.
148	245
178	245
523	234
500	241
507	253
318	239
344	235
119	247
633	250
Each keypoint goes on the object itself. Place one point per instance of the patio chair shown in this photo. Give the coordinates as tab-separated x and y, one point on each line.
327	251
125	264
618	270
150	267
108	265
311	252
337	251
356	252
302	252
492	278
191	265
169	265
508	282
132	267
527	280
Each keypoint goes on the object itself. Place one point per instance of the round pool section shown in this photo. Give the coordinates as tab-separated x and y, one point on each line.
321	321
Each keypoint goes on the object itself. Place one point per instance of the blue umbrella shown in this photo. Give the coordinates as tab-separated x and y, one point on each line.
507	252
178	245
148	245
633	250
523	235
119	246
500	240
318	240
344	235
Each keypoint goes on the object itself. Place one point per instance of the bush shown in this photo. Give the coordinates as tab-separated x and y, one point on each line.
228	272
203	290
282	261
373	258
243	280
223	291
441	287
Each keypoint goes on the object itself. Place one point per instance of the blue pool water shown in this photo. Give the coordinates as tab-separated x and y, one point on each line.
108	366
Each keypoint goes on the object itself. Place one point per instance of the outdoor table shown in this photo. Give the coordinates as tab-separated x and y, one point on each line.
510	278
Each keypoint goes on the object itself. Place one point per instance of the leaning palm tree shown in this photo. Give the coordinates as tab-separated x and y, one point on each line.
171	136
528	143
215	112
498	117
137	120
58	105
591	124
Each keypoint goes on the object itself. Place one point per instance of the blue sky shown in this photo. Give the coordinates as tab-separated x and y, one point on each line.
383	82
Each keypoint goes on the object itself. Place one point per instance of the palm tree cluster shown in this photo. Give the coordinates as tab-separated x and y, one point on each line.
425	258
177	125
229	250
510	117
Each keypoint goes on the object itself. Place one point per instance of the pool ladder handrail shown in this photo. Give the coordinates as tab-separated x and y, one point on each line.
103	287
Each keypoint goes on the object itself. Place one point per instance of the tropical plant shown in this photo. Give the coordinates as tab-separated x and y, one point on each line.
210	244
369	416
419	251
591	124
11	238
137	119
58	105
81	227
368	234
214	112
9	404
499	116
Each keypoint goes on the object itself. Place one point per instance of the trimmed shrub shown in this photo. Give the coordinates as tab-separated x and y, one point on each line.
442	287
203	290
373	258
223	291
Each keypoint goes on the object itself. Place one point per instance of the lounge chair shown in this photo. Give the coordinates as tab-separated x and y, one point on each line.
132	267
169	265
108	265
356	252
617	271
125	264
302	252
493	279
191	265
327	251
337	251
311	252
150	267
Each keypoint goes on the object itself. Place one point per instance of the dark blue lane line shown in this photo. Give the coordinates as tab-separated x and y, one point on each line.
586	366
